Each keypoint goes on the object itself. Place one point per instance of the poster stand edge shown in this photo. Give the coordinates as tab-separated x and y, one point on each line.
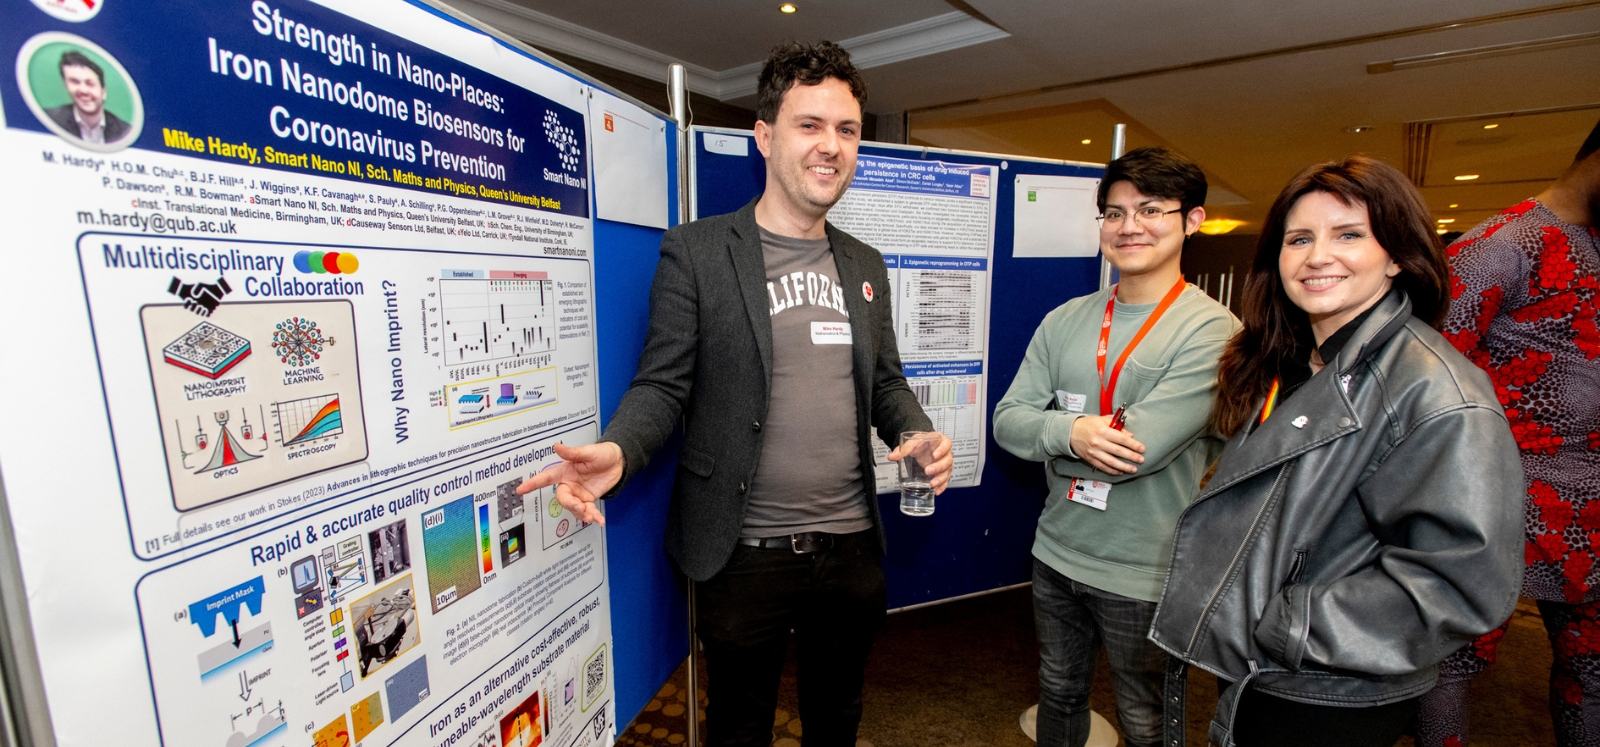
24	707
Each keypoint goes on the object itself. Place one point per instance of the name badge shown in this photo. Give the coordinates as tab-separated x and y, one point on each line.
1070	402
1091	493
830	333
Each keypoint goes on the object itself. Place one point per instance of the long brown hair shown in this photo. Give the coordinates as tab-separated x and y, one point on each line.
1274	327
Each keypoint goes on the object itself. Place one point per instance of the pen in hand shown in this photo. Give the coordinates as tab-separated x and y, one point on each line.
1119	419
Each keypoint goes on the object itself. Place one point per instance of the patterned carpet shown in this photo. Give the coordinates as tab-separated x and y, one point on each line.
960	675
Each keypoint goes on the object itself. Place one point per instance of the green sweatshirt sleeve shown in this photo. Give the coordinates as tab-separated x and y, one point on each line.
1021	423
1175	412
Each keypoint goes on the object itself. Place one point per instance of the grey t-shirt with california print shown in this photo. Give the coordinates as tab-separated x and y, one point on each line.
809	477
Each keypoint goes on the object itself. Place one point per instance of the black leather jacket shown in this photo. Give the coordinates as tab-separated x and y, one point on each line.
1368	529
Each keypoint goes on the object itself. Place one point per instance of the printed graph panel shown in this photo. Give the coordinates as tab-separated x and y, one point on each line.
309	419
941	311
489	319
257	394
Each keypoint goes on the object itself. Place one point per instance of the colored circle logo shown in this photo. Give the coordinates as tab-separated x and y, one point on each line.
326	263
76	11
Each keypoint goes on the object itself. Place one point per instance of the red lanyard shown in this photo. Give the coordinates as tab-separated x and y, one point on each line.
1108	387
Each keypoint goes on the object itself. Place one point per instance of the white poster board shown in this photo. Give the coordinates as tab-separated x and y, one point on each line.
1055	216
630	162
294	319
934	223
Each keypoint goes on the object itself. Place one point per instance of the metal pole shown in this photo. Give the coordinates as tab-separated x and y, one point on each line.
1119	139
23	707
680	113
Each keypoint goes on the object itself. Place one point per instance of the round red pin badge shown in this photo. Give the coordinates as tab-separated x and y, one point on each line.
866	291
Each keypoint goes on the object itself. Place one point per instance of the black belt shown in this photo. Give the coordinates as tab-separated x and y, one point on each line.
802	543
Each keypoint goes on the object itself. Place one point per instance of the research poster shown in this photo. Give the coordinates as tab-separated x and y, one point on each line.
934	223
298	294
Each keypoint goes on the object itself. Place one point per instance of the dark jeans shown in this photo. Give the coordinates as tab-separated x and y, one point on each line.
1072	619
834	601
1268	721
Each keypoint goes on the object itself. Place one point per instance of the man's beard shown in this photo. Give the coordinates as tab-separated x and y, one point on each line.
828	201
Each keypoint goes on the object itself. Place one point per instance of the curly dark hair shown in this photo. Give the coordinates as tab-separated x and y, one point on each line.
793	63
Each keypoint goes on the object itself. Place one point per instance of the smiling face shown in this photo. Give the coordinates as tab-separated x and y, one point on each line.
1145	245
88	95
811	147
1331	265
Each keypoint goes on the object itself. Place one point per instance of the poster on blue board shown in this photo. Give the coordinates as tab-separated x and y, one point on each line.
302	291
934	223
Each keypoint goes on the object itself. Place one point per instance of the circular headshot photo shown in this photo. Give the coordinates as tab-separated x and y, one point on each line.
80	92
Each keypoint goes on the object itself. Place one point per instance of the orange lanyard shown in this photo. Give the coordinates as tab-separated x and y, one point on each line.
1272	402
1108	387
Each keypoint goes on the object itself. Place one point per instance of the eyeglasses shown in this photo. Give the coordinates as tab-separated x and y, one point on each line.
1146	216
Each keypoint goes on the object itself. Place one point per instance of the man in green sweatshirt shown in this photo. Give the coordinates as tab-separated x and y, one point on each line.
1114	396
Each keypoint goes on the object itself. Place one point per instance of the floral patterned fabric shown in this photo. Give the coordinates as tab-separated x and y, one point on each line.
1524	309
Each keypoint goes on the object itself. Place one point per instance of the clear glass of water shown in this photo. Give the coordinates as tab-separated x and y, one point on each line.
916	493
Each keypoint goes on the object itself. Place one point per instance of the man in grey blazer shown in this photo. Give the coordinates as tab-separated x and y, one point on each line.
771	334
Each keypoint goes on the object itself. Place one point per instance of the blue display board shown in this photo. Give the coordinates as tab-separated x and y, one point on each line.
272	203
980	537
649	609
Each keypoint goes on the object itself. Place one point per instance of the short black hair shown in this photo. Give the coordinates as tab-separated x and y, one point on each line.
78	59
1590	145
1157	172
793	63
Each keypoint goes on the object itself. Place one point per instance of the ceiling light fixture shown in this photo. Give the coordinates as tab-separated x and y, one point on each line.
787	8
1455	204
1479	53
1358	129
1216	226
1086	141
1440	231
1466	177
1490	126
1447	220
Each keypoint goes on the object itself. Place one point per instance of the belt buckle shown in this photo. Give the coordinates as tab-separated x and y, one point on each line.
806	542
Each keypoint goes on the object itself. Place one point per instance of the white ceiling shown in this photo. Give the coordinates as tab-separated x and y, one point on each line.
722	34
1251	123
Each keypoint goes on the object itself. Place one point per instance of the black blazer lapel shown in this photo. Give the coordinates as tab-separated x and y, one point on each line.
750	267
847	260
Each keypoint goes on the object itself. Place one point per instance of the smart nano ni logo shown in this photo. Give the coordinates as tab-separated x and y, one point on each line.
564	140
330	263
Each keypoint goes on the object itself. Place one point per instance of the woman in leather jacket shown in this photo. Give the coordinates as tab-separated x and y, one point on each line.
1365	518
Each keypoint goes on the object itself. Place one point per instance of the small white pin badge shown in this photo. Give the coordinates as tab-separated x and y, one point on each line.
1299	422
866	291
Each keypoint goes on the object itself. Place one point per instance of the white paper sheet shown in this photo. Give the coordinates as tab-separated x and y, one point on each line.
1055	216
727	145
934	223
630	162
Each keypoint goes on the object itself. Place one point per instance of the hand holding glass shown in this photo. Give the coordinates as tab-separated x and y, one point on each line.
916	453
